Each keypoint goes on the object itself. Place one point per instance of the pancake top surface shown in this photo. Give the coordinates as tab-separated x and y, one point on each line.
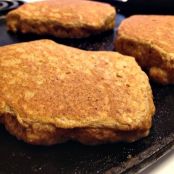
68	13
42	81
153	29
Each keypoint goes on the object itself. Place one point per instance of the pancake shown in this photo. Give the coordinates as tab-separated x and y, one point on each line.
150	40
64	19
51	93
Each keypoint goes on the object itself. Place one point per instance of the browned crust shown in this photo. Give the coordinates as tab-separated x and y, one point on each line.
48	134
160	69
61	22
51	93
155	57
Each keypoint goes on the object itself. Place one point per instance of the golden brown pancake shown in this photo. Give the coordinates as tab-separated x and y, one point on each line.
62	18
51	93
150	40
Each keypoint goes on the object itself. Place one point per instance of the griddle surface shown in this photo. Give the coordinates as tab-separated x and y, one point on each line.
16	157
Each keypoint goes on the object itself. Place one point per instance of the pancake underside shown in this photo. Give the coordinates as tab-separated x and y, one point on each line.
53	28
48	134
153	59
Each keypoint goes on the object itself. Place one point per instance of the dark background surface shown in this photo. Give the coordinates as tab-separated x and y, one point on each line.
143	6
17	157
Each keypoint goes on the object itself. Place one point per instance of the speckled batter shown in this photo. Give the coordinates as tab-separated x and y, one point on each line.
50	93
62	18
150	40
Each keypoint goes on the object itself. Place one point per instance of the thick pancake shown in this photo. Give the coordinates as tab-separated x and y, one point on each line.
150	40
62	18
51	93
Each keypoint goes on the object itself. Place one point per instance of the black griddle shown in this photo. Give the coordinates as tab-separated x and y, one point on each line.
17	157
